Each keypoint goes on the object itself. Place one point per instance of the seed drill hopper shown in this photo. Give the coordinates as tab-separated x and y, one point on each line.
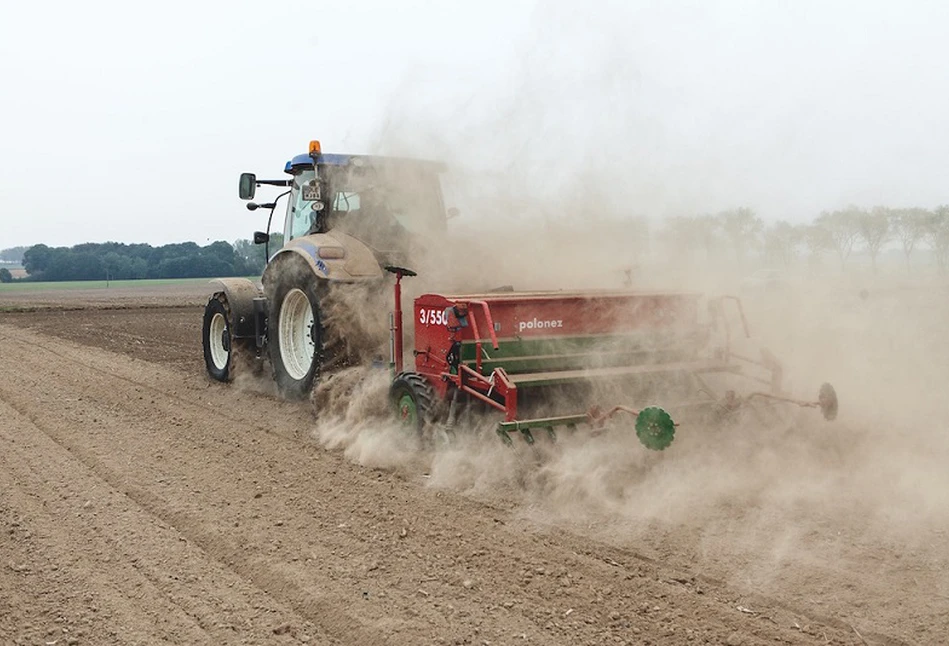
544	360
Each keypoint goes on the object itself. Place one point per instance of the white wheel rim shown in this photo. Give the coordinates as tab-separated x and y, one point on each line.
216	341
295	332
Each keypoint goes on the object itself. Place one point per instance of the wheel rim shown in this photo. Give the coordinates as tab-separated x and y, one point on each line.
408	411
219	341
297	347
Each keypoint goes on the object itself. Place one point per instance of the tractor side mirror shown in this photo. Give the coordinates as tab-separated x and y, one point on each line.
261	238
452	213
248	186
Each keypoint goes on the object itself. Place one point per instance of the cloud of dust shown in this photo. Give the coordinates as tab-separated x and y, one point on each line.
787	488
353	412
252	374
773	492
554	169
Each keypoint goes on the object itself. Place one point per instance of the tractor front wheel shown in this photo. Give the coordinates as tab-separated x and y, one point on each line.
413	400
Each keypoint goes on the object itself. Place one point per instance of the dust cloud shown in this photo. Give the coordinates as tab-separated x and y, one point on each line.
354	415
754	498
556	176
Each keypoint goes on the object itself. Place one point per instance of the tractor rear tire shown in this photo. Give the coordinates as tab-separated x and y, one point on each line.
413	400
295	332
218	342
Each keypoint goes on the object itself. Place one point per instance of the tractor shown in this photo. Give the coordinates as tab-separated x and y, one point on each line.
347	217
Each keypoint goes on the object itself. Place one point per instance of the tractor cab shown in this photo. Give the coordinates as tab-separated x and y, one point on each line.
384	202
375	199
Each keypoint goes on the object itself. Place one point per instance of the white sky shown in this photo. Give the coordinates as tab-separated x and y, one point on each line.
131	121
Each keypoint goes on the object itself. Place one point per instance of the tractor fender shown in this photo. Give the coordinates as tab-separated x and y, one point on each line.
240	294
356	261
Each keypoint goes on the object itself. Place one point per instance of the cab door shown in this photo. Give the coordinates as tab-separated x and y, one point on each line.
305	206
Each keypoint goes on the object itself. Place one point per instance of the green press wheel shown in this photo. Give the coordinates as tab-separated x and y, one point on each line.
407	411
413	400
655	428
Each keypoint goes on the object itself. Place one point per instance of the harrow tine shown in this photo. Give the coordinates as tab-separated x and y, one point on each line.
503	434
654	426
826	400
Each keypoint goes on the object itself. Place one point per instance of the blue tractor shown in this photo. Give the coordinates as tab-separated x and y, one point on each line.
347	218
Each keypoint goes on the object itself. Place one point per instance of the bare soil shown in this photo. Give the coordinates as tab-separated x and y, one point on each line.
144	504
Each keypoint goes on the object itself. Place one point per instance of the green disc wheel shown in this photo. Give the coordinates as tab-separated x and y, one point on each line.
407	411
655	428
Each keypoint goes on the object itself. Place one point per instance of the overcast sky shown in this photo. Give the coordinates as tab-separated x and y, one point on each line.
131	121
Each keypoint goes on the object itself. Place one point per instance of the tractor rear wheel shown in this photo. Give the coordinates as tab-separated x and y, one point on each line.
219	348
413	399
295	333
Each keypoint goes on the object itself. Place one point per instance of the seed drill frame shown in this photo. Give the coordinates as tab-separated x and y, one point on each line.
501	349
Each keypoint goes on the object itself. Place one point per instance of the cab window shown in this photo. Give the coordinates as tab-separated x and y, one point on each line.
346	201
301	217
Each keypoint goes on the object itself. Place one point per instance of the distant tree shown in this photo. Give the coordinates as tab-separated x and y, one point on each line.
816	239
36	259
742	227
678	234
138	268
841	231
116	266
73	265
175	250
221	250
5	275
253	257
706	230
910	227
938	233
781	241
13	254
874	228
176	267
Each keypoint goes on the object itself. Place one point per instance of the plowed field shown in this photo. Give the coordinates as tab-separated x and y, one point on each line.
141	503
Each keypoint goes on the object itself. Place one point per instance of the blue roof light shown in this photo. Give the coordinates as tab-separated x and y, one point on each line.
305	161
331	159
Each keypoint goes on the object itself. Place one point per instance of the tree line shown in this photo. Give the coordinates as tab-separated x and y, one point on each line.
741	233
118	261
12	255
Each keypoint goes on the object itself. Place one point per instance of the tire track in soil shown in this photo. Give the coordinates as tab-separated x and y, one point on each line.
227	552
832	589
364	555
88	565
